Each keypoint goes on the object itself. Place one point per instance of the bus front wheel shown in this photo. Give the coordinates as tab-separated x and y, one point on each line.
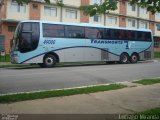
124	58
49	61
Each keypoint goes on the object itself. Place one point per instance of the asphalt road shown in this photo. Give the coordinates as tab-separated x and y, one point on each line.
14	80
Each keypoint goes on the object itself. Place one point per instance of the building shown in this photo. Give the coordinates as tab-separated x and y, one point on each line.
125	16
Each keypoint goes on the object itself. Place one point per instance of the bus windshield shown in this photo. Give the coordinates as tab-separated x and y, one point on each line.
26	37
15	38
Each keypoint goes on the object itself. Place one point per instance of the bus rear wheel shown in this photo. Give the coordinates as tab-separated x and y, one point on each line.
134	58
49	61
124	58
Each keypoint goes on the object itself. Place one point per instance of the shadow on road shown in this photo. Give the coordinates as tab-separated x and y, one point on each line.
35	66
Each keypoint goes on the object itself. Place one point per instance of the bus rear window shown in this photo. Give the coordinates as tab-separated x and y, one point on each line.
50	30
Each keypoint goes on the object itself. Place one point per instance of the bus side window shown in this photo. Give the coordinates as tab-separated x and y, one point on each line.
141	36
113	34
51	30
99	33
105	33
148	36
129	35
121	34
74	31
134	36
94	33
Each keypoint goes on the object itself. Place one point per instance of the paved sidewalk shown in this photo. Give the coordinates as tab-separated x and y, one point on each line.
127	100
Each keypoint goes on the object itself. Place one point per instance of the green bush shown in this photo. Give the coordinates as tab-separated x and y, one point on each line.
156	54
5	58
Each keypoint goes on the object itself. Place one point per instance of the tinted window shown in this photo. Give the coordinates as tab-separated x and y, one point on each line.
148	36
110	34
93	33
141	36
74	32
29	37
50	30
27	27
35	35
131	35
122	34
144	36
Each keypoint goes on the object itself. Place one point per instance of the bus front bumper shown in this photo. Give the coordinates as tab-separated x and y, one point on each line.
14	60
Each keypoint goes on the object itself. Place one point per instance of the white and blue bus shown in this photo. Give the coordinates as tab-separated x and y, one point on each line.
47	43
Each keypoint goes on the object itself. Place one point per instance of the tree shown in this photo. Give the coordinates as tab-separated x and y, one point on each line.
106	6
110	5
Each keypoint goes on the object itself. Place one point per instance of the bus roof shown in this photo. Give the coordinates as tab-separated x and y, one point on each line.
87	25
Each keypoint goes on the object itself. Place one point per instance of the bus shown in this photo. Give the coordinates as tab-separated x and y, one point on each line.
47	43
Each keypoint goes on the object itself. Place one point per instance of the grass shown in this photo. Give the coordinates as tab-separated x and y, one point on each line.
148	81
58	93
156	54
154	111
5	58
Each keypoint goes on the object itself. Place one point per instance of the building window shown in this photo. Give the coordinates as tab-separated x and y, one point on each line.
143	25
112	19
71	13
97	18
11	28
158	27
143	10
97	2
158	14
131	7
50	11
131	23
15	7
35	6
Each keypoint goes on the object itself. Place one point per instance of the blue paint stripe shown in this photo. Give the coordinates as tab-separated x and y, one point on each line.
79	47
68	48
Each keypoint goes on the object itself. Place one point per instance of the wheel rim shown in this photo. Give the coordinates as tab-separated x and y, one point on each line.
49	61
134	58
124	58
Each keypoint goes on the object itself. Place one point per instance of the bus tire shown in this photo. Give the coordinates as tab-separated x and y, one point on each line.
124	58
49	61
134	58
